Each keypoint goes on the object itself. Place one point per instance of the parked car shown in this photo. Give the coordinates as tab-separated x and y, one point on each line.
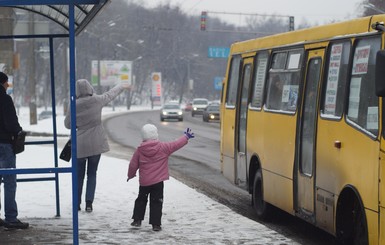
171	111
188	106
45	115
211	113
198	106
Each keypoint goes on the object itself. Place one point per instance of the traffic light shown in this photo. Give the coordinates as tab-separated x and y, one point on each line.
291	23
203	20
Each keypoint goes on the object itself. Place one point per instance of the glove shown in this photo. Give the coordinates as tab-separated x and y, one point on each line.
188	133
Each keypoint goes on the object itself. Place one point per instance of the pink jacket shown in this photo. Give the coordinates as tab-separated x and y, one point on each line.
151	158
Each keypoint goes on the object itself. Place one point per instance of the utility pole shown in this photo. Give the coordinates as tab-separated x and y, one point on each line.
7	45
31	72
8	61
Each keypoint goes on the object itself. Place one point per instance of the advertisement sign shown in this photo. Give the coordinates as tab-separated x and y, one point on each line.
361	60
333	76
156	78
111	72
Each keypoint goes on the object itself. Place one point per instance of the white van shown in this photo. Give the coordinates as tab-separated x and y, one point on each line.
199	105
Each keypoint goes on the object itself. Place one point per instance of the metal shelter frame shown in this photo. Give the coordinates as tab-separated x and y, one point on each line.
72	15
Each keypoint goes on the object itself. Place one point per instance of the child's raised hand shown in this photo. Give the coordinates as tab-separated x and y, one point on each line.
189	133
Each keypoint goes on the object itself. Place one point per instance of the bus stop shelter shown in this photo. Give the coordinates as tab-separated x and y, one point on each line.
73	16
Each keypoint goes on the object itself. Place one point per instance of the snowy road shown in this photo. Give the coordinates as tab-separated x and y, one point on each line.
204	148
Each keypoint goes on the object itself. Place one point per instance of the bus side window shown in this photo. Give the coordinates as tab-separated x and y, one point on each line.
279	60
363	102
283	83
336	78
259	80
233	81
274	97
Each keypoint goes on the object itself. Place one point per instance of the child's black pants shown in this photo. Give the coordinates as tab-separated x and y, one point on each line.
156	203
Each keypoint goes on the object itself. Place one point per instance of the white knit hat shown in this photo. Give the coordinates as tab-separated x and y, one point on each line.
149	132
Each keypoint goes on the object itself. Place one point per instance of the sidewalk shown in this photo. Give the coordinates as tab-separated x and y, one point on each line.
189	217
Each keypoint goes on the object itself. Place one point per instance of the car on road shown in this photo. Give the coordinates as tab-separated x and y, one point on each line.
45	115
188	106
171	111
198	106
211	113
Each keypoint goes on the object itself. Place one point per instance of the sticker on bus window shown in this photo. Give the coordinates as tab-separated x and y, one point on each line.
333	75
259	81
294	61
361	60
285	93
372	118
290	95
293	96
354	97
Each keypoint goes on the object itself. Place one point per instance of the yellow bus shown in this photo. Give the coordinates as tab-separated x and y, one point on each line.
302	126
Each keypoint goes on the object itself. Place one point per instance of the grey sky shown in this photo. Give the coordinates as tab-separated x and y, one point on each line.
317	12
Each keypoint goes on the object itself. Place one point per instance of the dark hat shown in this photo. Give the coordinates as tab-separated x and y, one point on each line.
3	77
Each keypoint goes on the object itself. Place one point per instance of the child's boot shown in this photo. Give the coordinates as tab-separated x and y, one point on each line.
156	228
136	223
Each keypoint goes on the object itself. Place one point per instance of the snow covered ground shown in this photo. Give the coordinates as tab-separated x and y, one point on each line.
189	217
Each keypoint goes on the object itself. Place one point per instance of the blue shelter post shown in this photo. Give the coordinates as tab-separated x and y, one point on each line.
75	201
84	14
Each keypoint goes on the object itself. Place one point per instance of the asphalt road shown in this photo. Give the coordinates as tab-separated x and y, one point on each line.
198	166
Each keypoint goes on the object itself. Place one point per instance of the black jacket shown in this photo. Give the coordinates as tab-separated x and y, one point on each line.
9	123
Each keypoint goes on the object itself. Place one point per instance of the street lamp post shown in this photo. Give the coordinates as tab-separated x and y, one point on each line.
44	54
184	81
187	80
100	38
128	93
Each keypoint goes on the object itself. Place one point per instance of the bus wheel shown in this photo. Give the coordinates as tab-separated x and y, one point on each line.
262	208
353	229
360	236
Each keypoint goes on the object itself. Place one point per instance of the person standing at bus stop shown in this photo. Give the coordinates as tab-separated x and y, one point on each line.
91	138
9	129
151	159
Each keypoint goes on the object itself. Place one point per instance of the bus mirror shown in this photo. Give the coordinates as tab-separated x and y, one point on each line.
380	73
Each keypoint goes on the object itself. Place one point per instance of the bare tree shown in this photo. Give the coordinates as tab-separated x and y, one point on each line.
373	7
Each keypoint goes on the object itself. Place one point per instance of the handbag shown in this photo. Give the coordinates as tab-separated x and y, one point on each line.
19	142
66	152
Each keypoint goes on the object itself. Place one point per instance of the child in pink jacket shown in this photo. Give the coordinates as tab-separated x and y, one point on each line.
151	158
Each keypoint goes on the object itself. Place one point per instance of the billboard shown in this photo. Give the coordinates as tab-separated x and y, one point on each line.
111	72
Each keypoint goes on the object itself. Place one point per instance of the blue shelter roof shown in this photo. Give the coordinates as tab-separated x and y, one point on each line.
58	10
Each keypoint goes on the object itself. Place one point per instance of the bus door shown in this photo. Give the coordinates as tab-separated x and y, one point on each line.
241	123
306	139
